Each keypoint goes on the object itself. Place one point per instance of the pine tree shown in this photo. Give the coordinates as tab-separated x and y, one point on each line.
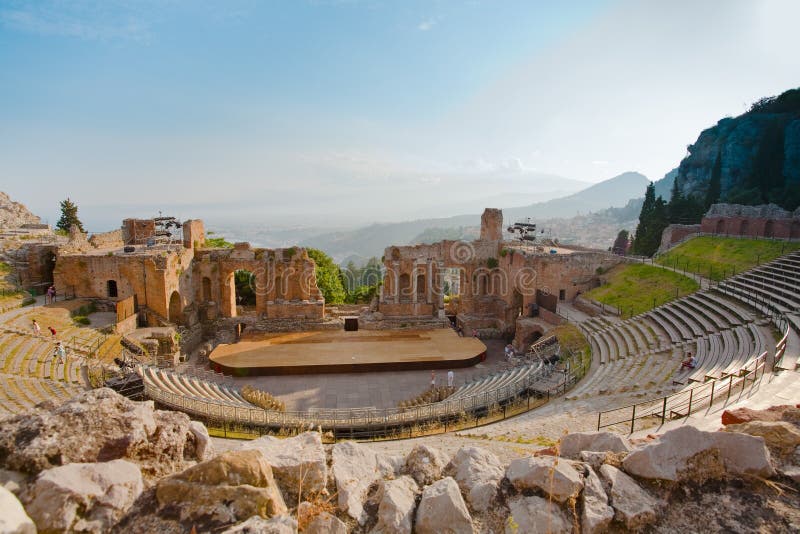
621	243
69	216
653	218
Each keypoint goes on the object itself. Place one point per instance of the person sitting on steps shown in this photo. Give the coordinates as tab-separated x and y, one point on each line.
689	363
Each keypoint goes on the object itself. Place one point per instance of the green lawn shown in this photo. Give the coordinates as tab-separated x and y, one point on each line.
633	288
720	257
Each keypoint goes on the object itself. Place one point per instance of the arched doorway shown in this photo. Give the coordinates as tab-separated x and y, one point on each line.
744	227
421	287
405	286
794	230
769	229
175	308
244	285
206	289
720	226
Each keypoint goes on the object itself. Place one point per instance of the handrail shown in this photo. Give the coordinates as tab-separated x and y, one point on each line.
688	401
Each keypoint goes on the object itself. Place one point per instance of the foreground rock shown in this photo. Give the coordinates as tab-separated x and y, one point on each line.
326	523
257	525
229	488
633	506
534	515
98	426
571	445
546	473
298	464
442	510
478	473
686	453
781	437
13	519
597	514
397	503
425	464
355	469
84	497
784	412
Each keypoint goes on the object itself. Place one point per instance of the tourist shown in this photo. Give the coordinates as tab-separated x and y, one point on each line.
433	379
51	295
509	351
36	330
451	378
460	331
474	332
60	353
52	331
690	363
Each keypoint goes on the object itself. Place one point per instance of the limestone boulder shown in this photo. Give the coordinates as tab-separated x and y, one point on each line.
534	515
633	506
231	487
686	453
442	510
326	523
97	426
596	513
425	464
355	469
84	497
397	504
781	437
478	473
282	524
298	464
13	519
784	412
203	447
390	465
572	444
555	477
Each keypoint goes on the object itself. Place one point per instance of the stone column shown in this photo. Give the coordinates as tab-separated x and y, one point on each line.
396	276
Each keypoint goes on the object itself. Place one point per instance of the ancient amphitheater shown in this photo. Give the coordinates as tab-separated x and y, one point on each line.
481	456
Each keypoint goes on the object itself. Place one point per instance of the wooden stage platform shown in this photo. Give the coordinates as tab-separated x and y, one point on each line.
347	352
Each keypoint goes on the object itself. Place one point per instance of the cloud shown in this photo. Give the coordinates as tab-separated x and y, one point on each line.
427	24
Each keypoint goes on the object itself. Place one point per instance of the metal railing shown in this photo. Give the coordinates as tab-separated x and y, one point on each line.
371	423
684	403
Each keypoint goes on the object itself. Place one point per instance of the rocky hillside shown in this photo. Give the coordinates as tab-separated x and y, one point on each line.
750	159
13	214
102	463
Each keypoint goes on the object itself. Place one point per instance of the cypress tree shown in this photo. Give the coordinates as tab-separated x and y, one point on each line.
69	216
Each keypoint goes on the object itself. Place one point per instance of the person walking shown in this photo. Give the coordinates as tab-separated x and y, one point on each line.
451	378
36	330
433	379
53	332
60	353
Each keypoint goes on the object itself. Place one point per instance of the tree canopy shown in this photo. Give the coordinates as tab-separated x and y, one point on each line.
329	277
69	216
652	221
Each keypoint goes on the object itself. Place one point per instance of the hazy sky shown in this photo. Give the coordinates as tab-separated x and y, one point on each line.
361	110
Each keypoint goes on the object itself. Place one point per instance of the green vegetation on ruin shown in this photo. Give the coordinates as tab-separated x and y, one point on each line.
720	257
636	288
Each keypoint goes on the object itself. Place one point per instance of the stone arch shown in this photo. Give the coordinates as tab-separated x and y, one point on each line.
175	307
744	227
769	228
720	229
206	289
111	289
794	229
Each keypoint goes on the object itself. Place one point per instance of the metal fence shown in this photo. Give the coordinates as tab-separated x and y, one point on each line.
656	412
375	423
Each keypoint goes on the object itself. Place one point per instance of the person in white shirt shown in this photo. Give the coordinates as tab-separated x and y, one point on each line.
451	378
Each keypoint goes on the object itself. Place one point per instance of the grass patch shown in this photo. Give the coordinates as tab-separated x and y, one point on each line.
720	257
634	288
82	320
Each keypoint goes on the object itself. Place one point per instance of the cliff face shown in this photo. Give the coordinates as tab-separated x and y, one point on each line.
756	156
13	214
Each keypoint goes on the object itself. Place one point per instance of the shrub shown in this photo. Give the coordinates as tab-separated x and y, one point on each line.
82	320
492	263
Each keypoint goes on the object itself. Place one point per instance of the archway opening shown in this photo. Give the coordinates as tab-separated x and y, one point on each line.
721	226
744	227
794	231
769	229
405	286
111	289
206	289
421	287
244	284
175	308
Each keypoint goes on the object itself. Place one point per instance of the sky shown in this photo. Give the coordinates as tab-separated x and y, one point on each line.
347	111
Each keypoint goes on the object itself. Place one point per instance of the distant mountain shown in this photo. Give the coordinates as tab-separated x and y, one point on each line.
611	193
371	240
664	185
750	159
